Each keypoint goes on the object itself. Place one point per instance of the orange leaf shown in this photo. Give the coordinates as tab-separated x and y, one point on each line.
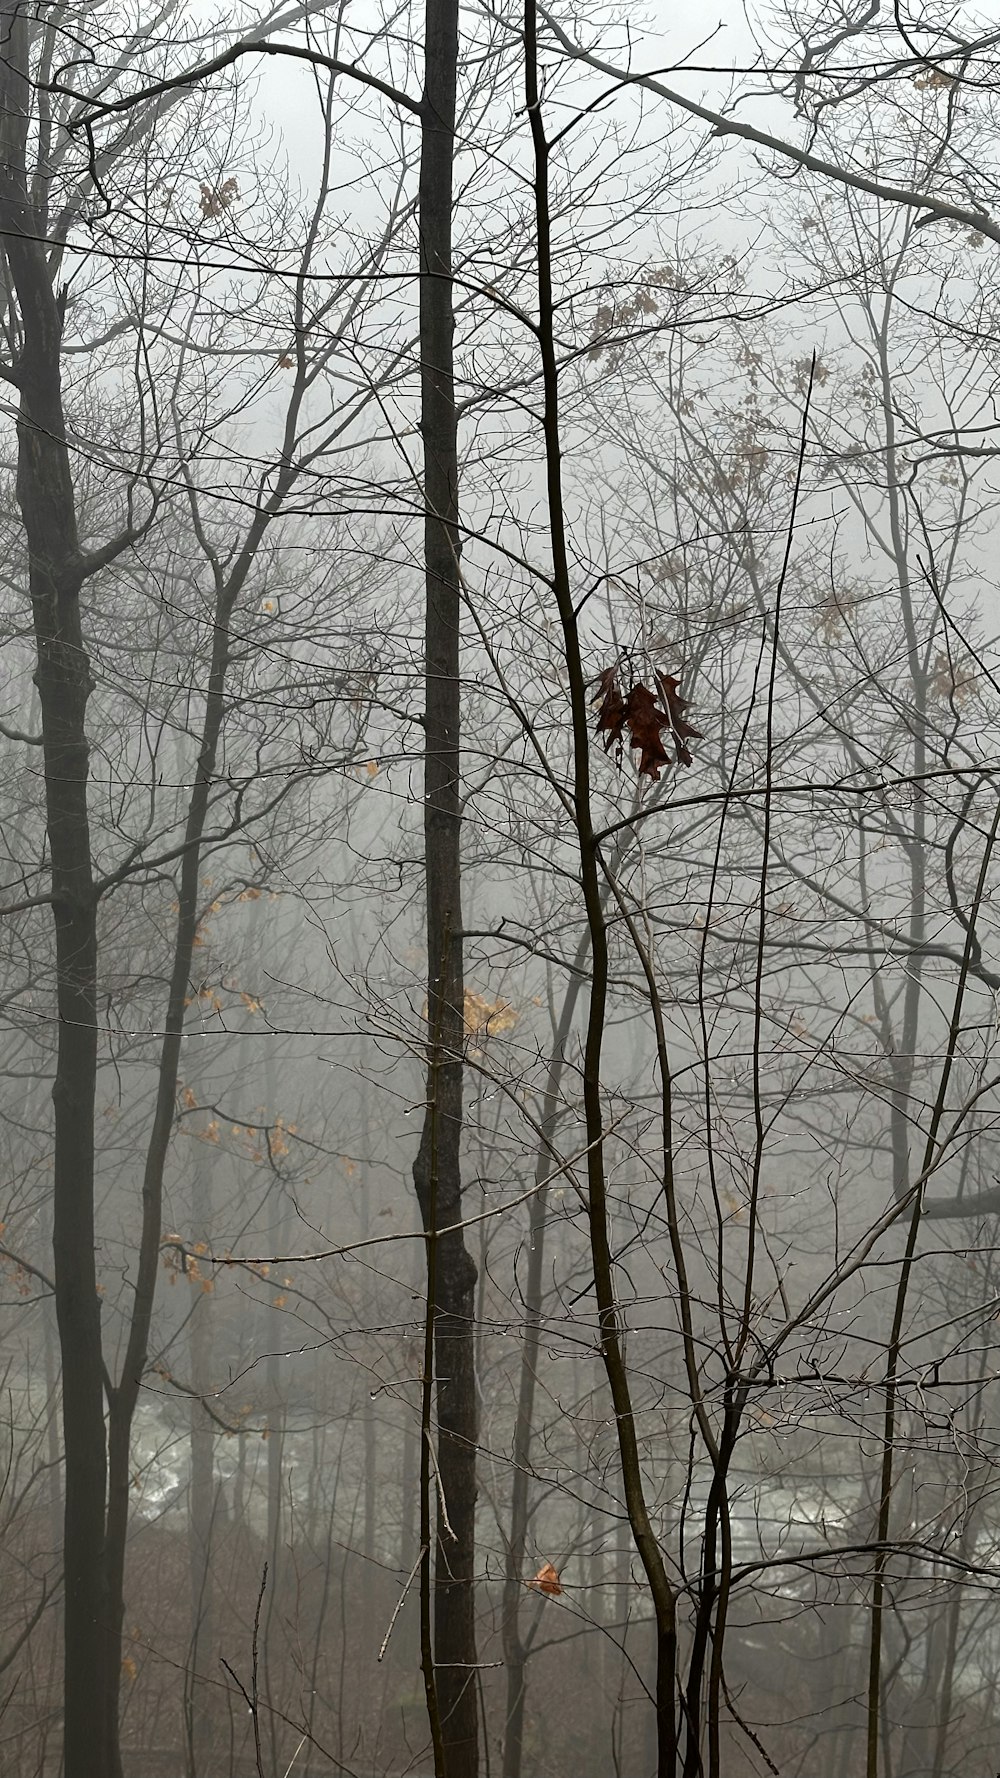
547	1581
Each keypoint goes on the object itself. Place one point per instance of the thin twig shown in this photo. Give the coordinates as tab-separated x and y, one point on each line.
252	1697
401	1601
295	1756
442	1503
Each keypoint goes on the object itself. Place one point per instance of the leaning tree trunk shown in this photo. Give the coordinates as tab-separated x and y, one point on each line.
123	1397
516	1645
56	570
437	1174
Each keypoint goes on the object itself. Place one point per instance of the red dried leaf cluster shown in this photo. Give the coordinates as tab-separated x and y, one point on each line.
646	722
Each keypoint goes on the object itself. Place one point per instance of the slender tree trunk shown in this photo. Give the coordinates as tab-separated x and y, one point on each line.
198	1715
515	1647
610	1319
319	1640
56	571
437	1172
369	1647
617	1669
123	1397
953	1615
276	1418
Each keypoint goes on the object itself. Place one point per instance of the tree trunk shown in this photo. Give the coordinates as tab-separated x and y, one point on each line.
124	1396
515	1646
437	1174
277	1532
369	1642
198	1694
55	574
610	1319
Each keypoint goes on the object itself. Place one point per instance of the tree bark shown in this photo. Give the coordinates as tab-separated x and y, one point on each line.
437	1169
56	571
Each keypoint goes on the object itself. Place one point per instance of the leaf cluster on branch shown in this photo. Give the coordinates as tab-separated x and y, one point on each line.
635	712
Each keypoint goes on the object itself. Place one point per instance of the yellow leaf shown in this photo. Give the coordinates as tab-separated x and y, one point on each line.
485	1018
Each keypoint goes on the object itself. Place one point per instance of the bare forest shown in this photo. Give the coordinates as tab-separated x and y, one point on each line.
499	889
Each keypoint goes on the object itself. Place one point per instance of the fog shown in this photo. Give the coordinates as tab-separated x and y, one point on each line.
499	721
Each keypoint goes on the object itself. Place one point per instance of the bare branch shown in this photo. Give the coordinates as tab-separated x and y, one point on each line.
248	46
907	197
